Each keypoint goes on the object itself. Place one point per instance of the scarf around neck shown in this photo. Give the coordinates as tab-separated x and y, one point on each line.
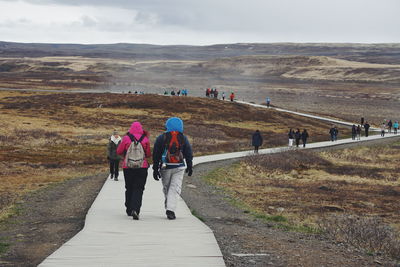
115	140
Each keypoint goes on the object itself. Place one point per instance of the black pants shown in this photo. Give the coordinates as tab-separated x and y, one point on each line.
114	167
256	149
366	132
135	180
297	142
304	142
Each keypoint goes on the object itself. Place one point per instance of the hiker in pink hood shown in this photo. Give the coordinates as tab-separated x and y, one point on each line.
135	177
137	131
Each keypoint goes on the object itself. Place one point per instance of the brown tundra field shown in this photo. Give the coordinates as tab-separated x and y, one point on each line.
66	101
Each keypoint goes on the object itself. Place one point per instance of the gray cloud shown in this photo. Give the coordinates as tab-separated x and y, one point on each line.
256	20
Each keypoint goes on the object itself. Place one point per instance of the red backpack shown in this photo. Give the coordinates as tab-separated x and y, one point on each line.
174	142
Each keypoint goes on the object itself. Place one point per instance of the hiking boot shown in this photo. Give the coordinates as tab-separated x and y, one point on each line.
111	176
116	179
170	215
135	216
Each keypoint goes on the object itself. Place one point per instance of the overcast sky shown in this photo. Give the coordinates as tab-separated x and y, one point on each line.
199	22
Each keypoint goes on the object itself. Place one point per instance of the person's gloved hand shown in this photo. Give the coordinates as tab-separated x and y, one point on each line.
156	175
189	170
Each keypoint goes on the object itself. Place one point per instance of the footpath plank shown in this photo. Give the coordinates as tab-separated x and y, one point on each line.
111	238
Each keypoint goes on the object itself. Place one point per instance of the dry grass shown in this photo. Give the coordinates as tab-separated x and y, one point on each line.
311	189
307	183
368	233
47	137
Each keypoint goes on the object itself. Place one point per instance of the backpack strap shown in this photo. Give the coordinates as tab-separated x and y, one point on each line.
133	138
167	139
141	138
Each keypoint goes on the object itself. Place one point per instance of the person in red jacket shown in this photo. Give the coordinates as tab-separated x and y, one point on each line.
232	97
135	178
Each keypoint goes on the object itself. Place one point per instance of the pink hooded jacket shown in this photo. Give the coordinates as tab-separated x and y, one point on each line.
137	131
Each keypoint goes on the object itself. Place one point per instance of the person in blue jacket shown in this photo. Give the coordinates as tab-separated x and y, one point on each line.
170	152
268	101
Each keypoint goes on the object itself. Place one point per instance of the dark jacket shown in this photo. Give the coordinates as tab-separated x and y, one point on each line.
173	124
366	126
334	131
297	135
257	139
304	135
112	150
290	134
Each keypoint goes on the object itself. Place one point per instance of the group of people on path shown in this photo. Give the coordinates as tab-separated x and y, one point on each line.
294	136
297	136
388	125
213	93
183	92
172	156
356	132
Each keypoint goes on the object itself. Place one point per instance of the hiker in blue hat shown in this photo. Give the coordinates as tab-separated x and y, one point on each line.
171	150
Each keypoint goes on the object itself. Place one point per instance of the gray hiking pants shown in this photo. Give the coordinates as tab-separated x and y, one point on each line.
172	185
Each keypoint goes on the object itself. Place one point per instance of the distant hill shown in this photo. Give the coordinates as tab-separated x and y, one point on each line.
372	53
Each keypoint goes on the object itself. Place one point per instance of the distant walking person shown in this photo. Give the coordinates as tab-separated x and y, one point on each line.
208	92
297	136
268	100
366	128
304	137
389	125
216	94
353	132
223	95
334	133
170	152
358	131
291	137
362	121
232	96
395	127
383	129
257	140
112	156
136	148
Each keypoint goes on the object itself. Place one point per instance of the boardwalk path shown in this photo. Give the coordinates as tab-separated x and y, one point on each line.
110	238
